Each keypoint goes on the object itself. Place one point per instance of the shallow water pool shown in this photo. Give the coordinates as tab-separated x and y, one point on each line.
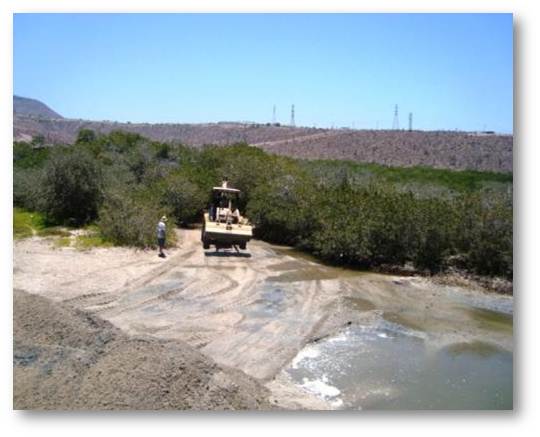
387	366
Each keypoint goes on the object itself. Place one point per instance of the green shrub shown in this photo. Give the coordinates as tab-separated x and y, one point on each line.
162	151
245	167
89	141
27	183
335	172
486	234
122	141
71	188
86	136
281	209
185	199
26	155
130	219
378	225
364	227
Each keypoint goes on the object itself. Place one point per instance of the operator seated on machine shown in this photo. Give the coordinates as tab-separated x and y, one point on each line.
223	211
225	214
236	216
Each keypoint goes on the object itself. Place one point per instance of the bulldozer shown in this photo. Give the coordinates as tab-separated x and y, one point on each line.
224	227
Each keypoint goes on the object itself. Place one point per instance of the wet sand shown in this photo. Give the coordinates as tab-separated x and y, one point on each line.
257	311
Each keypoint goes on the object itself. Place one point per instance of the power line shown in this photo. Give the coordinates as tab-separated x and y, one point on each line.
395	123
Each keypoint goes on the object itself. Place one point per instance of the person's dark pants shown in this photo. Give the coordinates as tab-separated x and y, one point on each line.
161	244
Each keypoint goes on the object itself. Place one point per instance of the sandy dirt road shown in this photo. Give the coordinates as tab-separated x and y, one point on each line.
252	311
231	306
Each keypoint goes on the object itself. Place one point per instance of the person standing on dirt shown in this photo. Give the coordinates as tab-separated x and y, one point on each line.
161	235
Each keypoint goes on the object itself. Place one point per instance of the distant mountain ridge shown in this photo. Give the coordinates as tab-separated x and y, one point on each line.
400	148
33	107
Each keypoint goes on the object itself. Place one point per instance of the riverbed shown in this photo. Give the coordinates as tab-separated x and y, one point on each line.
319	337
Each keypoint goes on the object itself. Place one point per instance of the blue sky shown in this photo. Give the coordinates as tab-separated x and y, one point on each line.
450	70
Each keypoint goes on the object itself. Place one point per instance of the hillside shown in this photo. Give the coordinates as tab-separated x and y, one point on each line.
439	149
452	150
33	108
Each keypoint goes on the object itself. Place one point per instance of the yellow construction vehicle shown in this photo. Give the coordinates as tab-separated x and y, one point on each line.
224	227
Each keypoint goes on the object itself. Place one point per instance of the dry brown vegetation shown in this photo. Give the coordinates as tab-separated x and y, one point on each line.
454	150
440	149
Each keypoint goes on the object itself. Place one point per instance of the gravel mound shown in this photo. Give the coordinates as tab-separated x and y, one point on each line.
67	359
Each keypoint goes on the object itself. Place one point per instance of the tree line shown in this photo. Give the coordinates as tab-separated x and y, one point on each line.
351	214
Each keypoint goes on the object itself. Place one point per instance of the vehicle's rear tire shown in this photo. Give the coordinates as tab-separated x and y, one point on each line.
205	242
243	245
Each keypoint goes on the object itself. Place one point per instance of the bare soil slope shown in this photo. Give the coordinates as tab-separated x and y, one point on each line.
69	359
453	150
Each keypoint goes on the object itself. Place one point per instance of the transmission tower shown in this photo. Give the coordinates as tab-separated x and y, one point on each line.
292	116
410	121
274	115
395	123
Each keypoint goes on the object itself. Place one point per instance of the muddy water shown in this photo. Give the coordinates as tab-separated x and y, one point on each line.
451	349
386	367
